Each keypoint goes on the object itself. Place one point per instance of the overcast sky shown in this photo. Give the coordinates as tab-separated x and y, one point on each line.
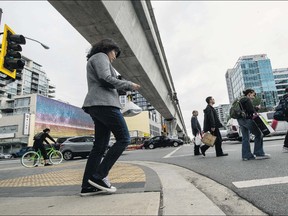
201	41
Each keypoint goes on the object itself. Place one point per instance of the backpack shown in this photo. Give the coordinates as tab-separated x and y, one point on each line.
281	111
38	136
236	110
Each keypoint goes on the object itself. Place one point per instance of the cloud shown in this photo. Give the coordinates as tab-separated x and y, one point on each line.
203	39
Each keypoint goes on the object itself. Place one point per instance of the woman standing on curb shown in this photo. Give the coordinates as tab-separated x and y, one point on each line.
103	105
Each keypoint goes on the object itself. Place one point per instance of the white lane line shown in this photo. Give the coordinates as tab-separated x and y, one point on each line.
267	146
168	155
181	155
261	182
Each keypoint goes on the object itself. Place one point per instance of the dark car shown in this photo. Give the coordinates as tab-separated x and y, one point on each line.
161	141
21	152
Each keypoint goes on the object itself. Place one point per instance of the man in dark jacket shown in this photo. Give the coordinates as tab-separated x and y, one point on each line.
285	146
39	140
212	124
196	129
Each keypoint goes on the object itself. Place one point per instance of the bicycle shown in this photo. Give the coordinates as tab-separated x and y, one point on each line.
32	158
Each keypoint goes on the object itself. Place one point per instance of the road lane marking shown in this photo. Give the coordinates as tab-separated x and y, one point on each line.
261	182
171	153
268	146
181	155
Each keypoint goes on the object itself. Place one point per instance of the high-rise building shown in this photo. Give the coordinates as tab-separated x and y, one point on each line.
229	84
223	112
33	80
255	72
281	80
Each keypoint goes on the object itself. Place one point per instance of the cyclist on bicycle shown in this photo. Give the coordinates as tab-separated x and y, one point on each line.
39	140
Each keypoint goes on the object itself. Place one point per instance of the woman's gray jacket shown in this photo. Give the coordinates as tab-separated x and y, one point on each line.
103	83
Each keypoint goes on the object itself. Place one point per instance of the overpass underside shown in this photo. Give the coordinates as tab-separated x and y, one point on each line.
132	25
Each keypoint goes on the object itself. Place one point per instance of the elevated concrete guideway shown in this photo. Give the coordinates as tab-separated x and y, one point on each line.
133	26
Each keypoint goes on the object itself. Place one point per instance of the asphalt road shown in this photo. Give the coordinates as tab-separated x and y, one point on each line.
261	182
269	192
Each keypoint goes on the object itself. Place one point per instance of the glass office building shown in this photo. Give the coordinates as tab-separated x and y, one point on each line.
255	72
281	80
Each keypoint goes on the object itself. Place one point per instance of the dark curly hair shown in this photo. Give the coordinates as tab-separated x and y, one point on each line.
247	91
104	46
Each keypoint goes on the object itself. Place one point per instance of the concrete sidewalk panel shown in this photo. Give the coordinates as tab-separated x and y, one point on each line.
116	204
180	197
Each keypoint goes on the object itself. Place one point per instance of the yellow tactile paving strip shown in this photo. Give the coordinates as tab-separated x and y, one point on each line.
120	173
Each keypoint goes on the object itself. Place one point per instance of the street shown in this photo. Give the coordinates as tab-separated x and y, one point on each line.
268	192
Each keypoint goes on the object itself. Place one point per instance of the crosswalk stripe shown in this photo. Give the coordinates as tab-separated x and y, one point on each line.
261	182
171	153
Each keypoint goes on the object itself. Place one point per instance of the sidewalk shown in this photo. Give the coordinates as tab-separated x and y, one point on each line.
144	188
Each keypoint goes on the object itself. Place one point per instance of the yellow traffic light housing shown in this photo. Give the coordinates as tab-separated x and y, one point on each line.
10	57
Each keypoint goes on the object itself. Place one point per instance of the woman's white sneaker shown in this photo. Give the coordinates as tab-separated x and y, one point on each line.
262	157
285	150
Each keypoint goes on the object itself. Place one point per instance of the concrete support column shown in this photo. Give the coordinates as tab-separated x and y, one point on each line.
171	127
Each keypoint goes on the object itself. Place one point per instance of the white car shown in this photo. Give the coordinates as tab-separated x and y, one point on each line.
5	156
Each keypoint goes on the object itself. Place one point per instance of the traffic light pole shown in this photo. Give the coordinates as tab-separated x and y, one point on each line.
0	15
43	45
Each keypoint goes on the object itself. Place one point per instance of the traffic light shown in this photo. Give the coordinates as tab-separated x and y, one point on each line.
10	57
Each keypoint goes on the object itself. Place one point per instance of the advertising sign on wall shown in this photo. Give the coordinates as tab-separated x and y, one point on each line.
63	119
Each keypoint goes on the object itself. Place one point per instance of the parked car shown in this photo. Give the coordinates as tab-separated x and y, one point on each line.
21	152
161	141
59	141
5	156
76	146
223	132
233	130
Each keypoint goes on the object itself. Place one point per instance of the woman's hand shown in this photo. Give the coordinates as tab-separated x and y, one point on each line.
135	86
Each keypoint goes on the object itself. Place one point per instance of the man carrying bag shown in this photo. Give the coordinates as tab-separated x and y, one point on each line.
212	125
196	131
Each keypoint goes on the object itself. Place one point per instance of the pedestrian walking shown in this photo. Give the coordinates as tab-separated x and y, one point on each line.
247	125
103	105
212	125
196	130
285	146
39	140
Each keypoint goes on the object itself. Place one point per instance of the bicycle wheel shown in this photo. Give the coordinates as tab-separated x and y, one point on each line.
55	157
30	159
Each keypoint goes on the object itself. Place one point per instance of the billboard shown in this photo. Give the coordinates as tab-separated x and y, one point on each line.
63	119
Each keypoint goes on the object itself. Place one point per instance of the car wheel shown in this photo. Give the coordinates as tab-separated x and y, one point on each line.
151	146
175	144
68	155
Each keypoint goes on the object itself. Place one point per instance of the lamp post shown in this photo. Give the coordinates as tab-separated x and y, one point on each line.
43	45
